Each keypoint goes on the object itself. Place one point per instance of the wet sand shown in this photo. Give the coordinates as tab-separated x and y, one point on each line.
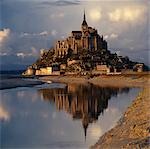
17	82
132	130
139	80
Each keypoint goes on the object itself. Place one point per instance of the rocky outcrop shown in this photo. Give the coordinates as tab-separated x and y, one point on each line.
132	131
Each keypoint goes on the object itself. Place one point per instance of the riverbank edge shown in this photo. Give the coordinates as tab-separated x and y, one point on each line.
132	130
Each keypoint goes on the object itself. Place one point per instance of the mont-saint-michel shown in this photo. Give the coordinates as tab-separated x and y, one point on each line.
83	52
74	74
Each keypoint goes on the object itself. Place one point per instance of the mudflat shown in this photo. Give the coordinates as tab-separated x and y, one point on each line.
125	80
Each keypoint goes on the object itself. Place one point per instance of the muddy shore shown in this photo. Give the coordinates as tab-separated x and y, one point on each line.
140	80
133	129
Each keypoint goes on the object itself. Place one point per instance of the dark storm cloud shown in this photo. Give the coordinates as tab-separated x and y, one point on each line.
61	2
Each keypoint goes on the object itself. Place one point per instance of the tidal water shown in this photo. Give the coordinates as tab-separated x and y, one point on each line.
58	115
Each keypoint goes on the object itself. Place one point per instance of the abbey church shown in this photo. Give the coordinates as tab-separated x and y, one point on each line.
87	38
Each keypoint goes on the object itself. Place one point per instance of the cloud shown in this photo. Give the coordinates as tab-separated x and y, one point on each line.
24	34
4	114
57	15
3	53
34	52
23	55
127	14
53	32
95	14
43	33
20	55
62	2
115	15
106	37
4	34
111	36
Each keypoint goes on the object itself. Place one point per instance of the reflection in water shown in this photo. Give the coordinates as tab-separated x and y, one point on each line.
58	116
86	102
4	114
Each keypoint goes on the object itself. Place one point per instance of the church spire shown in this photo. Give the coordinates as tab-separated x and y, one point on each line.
84	23
84	18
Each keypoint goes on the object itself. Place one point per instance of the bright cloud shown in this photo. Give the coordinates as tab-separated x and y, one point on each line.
33	52
4	34
115	15
127	14
44	33
106	37
111	36
4	115
21	54
95	14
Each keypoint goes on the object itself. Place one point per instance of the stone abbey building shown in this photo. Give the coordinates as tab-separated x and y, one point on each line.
87	38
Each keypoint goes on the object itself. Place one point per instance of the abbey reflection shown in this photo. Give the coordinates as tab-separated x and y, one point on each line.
85	102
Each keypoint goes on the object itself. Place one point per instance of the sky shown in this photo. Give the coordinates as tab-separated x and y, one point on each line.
26	26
